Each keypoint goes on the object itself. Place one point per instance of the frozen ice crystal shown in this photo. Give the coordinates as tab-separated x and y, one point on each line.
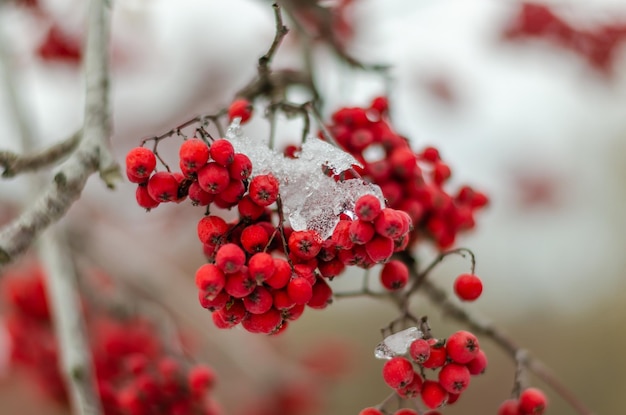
311	199
397	343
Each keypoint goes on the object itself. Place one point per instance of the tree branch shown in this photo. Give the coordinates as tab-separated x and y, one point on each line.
15	164
93	153
74	360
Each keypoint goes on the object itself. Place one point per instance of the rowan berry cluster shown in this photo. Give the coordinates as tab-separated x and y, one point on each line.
135	373
262	274
262	281
411	182
456	359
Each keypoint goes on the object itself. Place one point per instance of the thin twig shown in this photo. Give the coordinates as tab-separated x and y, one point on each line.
279	35
418	279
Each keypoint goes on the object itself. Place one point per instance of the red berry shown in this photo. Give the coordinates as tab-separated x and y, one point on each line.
441	172
222	152
254	238
217	303
462	347
433	394
211	229
248	210
389	223
438	355
304	244
200	378
341	235
412	389
193	154
233	193
300	290
144	199
263	189
478	364
213	178
233	314
468	287
509	407
281	275
532	401
406	411
398	372
332	268
431	154
241	167
361	231
379	248
240	284
230	258
380	104
261	266
198	196
322	295
140	163
367	207
282	301
394	275
163	187
419	350
267	322
293	313
210	279
258	301
454	378
240	108
403	162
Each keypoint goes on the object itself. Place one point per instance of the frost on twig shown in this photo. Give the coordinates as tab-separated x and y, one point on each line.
92	154
310	198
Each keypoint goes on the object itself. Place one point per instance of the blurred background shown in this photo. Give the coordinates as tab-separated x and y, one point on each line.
534	118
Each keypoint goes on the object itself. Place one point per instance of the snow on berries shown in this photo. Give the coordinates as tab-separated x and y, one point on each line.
409	354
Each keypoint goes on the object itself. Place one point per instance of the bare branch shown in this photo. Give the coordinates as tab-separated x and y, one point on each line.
281	32
75	359
14	164
93	153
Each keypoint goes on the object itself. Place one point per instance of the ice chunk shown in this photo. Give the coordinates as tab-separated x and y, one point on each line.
311	199
397	343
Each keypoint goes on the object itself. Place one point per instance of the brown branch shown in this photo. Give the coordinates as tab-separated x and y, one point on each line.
14	164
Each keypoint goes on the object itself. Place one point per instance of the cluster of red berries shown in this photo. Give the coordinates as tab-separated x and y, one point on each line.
209	174
411	182
135	374
531	401
456	358
599	47
245	283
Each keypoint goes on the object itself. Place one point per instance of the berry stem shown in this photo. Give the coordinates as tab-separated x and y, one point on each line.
419	278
